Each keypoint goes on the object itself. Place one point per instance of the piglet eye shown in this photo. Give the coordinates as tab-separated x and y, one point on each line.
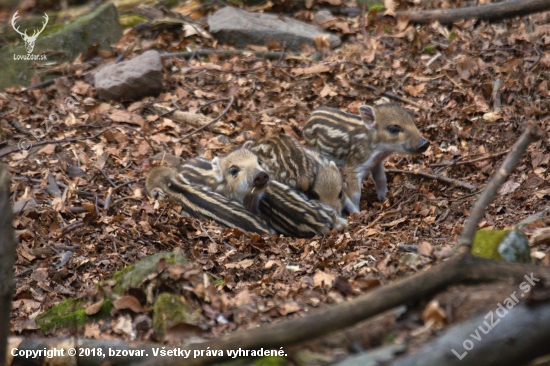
341	195
314	196
234	171
260	162
394	129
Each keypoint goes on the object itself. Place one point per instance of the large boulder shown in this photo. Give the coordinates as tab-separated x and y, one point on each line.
240	27
99	27
131	80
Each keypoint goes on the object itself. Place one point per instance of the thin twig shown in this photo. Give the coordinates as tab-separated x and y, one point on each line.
107	177
212	102
209	123
497	104
531	134
46	142
72	227
391	95
495	155
267	54
454	182
363	26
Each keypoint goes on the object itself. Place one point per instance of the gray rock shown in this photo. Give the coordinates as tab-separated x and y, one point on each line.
515	247
242	28
99	27
322	16
131	80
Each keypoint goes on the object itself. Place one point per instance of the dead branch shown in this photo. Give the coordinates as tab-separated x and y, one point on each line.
502	10
7	260
209	123
459	269
495	155
497	104
193	119
454	182
267	54
366	38
531	134
514	327
46	142
391	95
463	268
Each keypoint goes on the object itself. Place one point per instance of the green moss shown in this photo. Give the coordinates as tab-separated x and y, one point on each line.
452	36
70	314
377	7
130	20
390	338
429	48
66	314
388	29
170	310
486	243
219	281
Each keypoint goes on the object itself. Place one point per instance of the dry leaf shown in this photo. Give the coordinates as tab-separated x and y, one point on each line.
425	248
94	308
316	69
433	313
128	302
390	8
48	149
322	279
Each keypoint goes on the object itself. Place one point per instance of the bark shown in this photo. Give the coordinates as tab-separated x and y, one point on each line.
517	337
502	10
7	260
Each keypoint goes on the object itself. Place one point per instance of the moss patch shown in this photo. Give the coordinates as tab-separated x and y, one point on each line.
171	310
70	314
486	243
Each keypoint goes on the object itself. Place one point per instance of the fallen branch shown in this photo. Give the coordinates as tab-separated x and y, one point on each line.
531	134
267	54
454	182
502	10
209	123
497	104
459	269
46	142
495	155
391	95
7	260
516	326
193	119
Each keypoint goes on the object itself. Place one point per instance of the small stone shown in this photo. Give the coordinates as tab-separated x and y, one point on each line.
131	80
322	16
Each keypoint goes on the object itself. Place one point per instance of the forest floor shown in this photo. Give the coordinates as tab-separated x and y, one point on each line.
69	242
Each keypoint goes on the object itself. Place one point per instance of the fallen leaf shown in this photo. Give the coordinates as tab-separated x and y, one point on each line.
425	248
48	149
322	279
316	69
435	314
128	302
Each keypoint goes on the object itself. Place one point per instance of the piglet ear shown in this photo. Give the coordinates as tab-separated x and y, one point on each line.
217	170
332	165
368	115
247	145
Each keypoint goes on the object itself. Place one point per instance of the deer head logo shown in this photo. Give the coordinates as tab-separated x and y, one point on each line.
29	40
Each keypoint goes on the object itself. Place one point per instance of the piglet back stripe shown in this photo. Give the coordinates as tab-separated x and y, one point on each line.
208	205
